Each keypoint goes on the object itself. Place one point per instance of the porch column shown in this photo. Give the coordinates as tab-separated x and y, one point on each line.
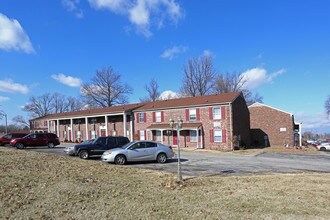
125	125
131	127
86	123
162	136
48	126
58	128
106	125
201	130
197	137
72	130
54	127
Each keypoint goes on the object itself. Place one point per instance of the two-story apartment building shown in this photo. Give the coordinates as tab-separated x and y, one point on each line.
209	122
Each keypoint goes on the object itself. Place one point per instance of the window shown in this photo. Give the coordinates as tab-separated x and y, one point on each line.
142	137
158	117
192	114
217	135
216	113
158	136
150	144
141	117
193	136
138	145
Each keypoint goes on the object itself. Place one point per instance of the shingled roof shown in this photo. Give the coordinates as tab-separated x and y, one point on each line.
190	101
164	104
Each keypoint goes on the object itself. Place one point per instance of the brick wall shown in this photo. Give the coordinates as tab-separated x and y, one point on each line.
277	125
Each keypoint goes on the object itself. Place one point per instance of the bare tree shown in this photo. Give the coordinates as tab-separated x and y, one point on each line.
233	82
73	104
199	75
327	105
21	121
152	90
40	106
106	89
59	103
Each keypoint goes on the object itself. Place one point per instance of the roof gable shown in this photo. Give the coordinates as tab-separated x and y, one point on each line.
258	104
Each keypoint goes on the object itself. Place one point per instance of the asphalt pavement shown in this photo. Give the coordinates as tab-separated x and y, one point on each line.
195	163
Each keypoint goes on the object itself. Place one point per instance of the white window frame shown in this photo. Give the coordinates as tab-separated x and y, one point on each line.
158	136
192	114
217	135
216	116
142	137
158	116
193	136
141	116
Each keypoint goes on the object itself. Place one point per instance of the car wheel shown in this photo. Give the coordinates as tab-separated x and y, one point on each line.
19	146
161	158
322	149
50	145
120	159
84	154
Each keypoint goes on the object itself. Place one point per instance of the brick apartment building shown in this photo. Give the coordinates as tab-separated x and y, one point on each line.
273	127
209	122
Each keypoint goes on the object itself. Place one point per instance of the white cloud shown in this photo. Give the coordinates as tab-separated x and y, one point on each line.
208	53
171	52
168	94
318	122
13	36
256	77
3	99
73	6
12	87
143	14
67	80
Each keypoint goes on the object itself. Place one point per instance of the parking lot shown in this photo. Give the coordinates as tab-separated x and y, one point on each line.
204	164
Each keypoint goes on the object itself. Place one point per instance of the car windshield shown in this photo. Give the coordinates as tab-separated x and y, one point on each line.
127	145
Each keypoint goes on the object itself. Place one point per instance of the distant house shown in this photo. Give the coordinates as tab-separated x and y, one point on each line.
273	127
209	122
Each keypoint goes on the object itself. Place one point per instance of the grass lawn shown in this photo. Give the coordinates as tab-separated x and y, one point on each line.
44	186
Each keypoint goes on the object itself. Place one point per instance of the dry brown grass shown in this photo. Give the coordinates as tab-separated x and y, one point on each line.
42	186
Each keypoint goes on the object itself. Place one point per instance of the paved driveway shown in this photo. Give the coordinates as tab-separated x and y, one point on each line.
204	164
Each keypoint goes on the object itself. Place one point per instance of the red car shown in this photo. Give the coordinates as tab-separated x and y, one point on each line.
8	137
37	139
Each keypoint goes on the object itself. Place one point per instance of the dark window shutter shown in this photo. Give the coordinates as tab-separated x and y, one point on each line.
138	133
154	117
145	117
211	136
145	134
223	136
187	114
211	113
137	118
197	114
223	112
162	116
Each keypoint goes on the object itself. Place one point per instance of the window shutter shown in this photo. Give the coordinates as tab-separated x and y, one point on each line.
137	118
145	117
211	113
162	116
211	136
223	112
197	114
145	134
138	133
223	136
153	135
187	114
154	117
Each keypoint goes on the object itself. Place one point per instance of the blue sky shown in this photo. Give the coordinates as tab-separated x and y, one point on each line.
281	46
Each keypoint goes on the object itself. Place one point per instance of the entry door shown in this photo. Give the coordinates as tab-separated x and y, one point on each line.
103	133
175	138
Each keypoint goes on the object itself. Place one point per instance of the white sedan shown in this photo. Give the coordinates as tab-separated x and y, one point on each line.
138	151
323	146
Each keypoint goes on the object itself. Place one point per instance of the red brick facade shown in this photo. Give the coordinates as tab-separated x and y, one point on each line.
270	126
208	122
